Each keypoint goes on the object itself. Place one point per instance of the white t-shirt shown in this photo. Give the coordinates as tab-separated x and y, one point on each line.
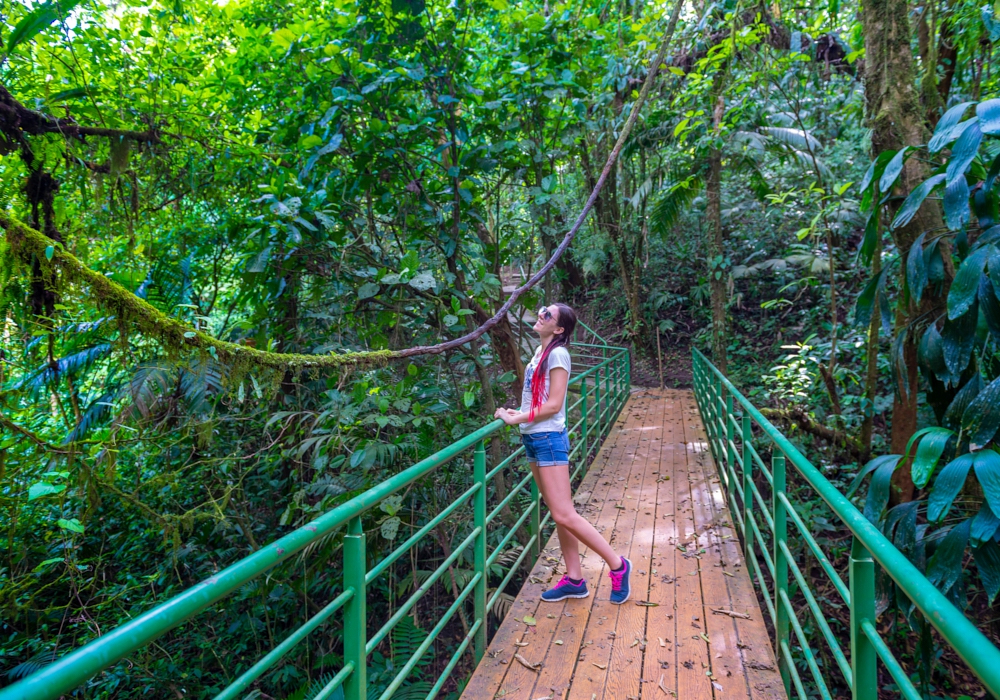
557	423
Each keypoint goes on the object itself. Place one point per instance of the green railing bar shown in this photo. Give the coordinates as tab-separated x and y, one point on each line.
820	555
335	682
831	640
510	496
970	644
807	651
766	594
510	574
254	672
418	593
763	546
418	535
763	505
760	463
891	664
496	470
507	538
794	671
591	331
425	645
454	659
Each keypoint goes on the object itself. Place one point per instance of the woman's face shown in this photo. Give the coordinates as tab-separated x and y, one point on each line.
548	321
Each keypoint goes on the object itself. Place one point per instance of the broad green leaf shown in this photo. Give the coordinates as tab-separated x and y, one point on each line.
984	524
988	112
44	488
871	466
945	567
991	176
49	252
969	391
37	20
966	283
892	170
930	353
72	525
989	306
959	339
916	269
368	290
946	486
943	132
931	444
529	620
987	467
915	199
878	489
963	152
981	419
45	563
867	248
865	305
987	557
875	170
956	203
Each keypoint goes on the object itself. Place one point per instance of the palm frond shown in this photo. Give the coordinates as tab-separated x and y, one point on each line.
73	330
200	380
794	138
670	202
49	373
144	389
97	411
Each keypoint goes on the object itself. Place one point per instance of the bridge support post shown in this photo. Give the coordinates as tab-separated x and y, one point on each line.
863	657
746	435
479	515
585	390
597	407
355	614
729	446
781	631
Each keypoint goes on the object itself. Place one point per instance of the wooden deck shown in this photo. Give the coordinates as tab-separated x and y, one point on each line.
653	490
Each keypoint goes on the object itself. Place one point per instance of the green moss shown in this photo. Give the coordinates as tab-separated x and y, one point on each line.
23	243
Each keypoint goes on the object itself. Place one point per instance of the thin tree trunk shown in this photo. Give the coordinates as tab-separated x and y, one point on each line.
716	252
871	376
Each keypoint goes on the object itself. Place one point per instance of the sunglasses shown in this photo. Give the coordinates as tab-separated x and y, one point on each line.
544	314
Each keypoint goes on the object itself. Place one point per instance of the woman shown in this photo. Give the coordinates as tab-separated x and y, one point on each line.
546	443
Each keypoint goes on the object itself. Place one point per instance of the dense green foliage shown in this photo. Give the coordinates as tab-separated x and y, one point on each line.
321	177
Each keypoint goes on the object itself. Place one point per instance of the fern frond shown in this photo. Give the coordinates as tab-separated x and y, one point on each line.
97	411
76	363
794	138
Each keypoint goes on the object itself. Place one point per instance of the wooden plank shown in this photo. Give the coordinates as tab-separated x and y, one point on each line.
629	644
659	662
756	656
592	670
692	650
560	662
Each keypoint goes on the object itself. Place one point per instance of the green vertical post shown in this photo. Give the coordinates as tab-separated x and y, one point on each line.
745	437
729	431
863	657
585	391
479	516
781	630
535	521
355	615
597	409
608	396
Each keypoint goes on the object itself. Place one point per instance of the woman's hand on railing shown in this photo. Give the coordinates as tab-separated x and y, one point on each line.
507	415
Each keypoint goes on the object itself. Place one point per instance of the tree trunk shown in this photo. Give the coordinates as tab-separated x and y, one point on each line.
716	253
896	117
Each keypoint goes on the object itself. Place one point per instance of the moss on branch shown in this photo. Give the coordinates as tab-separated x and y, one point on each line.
26	243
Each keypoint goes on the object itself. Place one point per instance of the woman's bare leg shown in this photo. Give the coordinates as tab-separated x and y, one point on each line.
568	543
554	484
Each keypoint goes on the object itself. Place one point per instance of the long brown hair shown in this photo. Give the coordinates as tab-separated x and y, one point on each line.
567	319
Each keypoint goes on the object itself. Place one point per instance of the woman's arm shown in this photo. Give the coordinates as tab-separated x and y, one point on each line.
558	381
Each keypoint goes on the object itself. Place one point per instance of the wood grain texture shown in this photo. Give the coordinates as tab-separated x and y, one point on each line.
652	491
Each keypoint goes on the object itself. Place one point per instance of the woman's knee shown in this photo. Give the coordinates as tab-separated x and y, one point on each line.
564	516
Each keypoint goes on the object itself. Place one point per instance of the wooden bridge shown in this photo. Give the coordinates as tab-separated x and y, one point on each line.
692	627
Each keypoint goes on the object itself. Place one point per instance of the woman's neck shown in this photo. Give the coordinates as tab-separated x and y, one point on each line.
546	340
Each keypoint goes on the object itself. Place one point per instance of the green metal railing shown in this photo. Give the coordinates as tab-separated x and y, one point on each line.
597	394
737	441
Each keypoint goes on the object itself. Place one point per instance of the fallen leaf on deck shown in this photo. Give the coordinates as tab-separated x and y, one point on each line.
728	574
527	664
731	613
521	644
559	642
603	667
529	620
662	643
717	686
647	604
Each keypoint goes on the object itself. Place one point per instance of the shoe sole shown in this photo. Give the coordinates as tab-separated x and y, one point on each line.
569	595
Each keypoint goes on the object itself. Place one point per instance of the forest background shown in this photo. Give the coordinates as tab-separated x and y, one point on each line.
809	195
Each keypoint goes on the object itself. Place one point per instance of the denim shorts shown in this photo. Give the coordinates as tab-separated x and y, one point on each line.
546	449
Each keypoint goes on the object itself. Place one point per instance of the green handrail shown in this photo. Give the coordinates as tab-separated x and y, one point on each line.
597	408
716	397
